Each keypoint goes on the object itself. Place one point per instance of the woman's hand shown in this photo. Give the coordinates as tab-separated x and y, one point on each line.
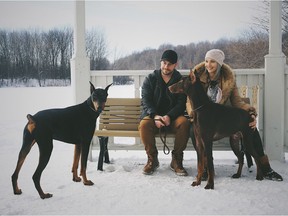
253	123
253	114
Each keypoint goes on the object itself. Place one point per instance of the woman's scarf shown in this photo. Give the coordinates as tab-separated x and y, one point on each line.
214	92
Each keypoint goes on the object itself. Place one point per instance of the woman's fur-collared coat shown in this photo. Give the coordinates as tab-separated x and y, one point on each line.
227	83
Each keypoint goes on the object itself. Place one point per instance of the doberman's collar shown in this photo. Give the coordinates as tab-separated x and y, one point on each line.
91	105
198	108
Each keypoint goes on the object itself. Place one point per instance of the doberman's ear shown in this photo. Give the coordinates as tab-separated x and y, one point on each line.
107	87
92	88
192	75
197	74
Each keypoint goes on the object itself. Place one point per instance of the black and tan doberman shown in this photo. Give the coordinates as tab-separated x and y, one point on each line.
74	125
211	122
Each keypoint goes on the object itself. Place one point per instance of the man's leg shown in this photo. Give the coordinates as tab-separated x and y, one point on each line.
147	130
181	129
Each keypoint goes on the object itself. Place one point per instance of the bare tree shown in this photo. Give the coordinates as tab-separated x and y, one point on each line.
4	55
249	50
97	49
52	54
262	21
201	48
16	60
65	45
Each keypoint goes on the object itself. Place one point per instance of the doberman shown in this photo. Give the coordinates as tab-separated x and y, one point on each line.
74	125
212	122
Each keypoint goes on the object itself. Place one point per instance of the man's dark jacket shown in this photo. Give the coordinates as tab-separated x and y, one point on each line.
152	91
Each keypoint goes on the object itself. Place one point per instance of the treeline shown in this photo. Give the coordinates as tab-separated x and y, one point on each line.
30	54
33	54
247	51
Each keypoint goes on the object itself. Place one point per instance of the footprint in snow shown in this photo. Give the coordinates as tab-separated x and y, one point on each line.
127	168
110	168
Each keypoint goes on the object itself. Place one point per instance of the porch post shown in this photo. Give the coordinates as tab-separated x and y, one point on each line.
274	96
80	66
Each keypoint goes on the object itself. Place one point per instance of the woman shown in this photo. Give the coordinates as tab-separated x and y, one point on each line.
218	80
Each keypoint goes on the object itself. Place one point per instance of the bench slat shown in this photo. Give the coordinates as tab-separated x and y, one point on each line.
123	101
122	110
120	114
118	121
121	106
122	127
113	132
126	133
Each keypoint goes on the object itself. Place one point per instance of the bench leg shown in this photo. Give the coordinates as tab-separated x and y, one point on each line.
106	153
103	142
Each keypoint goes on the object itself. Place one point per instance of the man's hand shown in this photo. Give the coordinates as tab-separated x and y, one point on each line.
161	121
166	120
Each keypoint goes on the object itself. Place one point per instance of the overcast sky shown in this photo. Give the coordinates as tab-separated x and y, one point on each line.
135	25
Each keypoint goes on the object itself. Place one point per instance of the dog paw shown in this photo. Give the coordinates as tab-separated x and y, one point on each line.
88	183
259	177
18	192
209	186
236	175
195	183
45	196
76	179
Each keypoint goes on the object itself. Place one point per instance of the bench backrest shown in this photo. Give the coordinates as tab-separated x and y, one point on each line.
121	114
124	114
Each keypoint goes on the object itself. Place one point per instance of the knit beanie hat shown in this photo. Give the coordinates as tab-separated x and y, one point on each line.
216	54
170	55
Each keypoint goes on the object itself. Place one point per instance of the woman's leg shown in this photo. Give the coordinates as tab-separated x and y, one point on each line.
268	172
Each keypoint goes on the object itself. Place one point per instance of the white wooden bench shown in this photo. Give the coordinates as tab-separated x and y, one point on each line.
120	118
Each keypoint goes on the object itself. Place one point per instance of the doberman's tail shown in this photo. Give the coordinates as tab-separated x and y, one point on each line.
31	123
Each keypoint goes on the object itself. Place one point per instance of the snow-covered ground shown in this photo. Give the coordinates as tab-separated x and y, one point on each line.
122	189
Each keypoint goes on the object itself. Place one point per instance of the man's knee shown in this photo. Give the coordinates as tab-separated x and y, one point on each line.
146	123
182	122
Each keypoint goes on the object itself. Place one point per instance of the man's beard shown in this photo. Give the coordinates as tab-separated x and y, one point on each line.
167	72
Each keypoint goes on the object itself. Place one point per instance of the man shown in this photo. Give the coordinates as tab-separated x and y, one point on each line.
163	109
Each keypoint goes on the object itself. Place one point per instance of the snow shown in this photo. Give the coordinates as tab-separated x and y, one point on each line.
122	189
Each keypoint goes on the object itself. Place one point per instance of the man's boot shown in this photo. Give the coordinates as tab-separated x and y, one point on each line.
176	164
152	164
268	172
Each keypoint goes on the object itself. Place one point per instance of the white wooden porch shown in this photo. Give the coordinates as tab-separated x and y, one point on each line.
272	80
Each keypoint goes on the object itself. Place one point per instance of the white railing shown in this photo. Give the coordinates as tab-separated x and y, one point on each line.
285	110
245	77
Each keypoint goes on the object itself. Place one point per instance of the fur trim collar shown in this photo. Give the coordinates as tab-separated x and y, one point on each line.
227	79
